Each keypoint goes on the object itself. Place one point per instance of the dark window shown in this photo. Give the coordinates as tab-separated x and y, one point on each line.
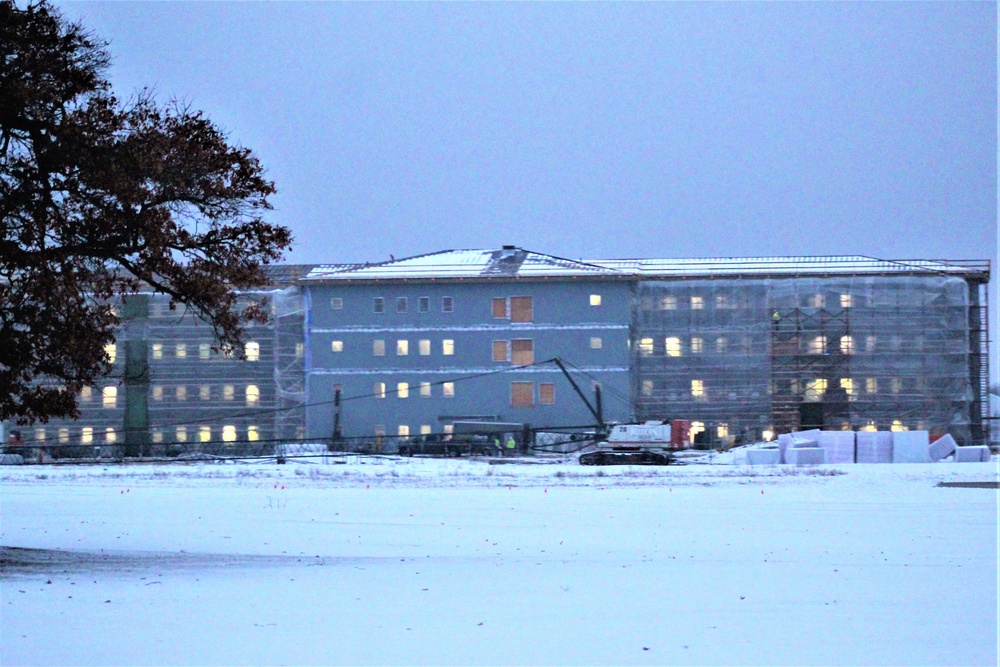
447	304
401	304
424	304
379	306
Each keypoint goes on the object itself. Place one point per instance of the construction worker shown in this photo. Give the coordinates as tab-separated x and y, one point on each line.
496	445
511	445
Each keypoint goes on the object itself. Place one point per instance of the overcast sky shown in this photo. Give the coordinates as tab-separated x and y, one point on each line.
594	130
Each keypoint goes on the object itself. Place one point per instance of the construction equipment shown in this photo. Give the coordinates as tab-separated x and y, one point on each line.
651	443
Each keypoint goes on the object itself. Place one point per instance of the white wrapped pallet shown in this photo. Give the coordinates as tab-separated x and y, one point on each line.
910	447
972	454
806	455
784	442
839	446
874	446
768	456
942	447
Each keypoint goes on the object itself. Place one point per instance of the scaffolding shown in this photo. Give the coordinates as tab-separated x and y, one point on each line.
746	358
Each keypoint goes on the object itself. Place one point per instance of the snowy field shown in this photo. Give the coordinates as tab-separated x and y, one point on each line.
418	561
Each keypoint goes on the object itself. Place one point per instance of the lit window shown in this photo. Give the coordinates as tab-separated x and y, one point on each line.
815	389
896	385
425	390
846	345
227	351
378	348
522	394
424	304
228	433
696	428
447	347
546	393
698	388
847	384
697	345
204	392
86	393
722	430
109	397
111	352
253	351
673	347
253	435
697	303
425	429
596	343
448	430
522	351
721	345
63	434
817	345
647	387
846	300
228	392
870	343
300	350
378	305
402	348
204	351
403	389
157	436
401	304
500	352
447	304
87	435
252	394
380	390
181	434
157	392
871	385
403	431
110	435
180	350
205	433
181	393
40	434
897	425
336	303
817	301
424	347
668	303
595	299
645	346
521	309
336	345
721	302
157	350
499	307
448	389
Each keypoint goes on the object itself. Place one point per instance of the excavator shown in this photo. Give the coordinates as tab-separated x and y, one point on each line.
650	443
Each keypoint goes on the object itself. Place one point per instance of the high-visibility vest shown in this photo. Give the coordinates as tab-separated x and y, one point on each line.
510	443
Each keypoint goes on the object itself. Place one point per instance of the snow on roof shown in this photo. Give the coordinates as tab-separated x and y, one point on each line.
516	262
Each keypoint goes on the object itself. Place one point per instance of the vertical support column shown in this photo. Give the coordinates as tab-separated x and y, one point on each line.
978	358
136	376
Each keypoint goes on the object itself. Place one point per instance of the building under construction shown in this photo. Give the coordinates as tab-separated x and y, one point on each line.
743	348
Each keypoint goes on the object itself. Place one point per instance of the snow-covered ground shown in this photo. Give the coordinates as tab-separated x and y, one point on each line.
418	561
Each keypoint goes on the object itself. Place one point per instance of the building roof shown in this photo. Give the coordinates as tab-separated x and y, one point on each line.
513	262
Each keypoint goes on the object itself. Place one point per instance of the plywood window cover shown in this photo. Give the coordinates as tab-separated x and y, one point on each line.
501	350
521	309
522	351
547	393
499	308
522	394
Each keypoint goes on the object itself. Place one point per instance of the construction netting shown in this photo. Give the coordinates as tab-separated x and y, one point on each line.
174	391
749	358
